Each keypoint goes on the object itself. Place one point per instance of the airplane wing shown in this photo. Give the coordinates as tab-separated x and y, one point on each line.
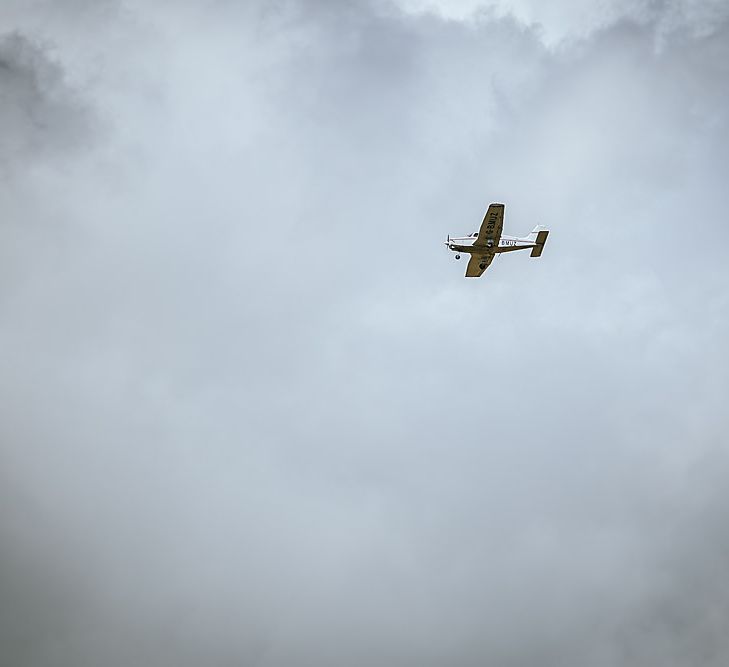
493	223
474	270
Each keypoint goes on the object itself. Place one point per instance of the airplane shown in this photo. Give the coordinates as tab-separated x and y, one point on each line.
488	242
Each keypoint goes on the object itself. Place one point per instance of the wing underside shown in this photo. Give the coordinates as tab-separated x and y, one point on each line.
493	223
477	264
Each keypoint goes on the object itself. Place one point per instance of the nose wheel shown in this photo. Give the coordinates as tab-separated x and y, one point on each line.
458	257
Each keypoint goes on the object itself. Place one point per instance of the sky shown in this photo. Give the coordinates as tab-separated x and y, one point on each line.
251	412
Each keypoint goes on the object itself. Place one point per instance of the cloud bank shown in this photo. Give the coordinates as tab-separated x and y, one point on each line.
251	411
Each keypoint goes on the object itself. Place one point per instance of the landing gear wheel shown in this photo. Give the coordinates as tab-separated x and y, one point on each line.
458	257
482	266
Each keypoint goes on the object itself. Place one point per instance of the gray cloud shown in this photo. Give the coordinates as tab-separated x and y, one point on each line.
40	114
251	413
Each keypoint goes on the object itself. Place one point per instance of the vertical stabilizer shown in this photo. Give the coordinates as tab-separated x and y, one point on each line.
540	238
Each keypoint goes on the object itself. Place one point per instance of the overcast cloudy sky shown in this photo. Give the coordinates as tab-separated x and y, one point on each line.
251	413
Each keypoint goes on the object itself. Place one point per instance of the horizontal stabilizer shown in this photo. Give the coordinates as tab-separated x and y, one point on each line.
540	241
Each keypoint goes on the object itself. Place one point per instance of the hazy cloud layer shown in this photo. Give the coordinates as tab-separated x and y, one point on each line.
251	411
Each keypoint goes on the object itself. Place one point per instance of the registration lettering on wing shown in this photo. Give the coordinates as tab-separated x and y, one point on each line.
493	217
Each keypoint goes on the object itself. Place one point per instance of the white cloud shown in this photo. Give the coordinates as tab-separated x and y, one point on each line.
571	20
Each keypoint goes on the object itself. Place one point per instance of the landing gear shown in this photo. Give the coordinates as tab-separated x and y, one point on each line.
458	257
482	266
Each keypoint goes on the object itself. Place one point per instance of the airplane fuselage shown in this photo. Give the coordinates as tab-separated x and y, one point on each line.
505	244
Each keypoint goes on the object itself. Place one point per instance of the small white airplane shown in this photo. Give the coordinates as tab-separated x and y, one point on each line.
486	243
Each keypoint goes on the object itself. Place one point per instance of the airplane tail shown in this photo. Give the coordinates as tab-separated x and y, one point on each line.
538	236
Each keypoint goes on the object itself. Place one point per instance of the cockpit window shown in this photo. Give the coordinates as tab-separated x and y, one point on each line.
475	234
